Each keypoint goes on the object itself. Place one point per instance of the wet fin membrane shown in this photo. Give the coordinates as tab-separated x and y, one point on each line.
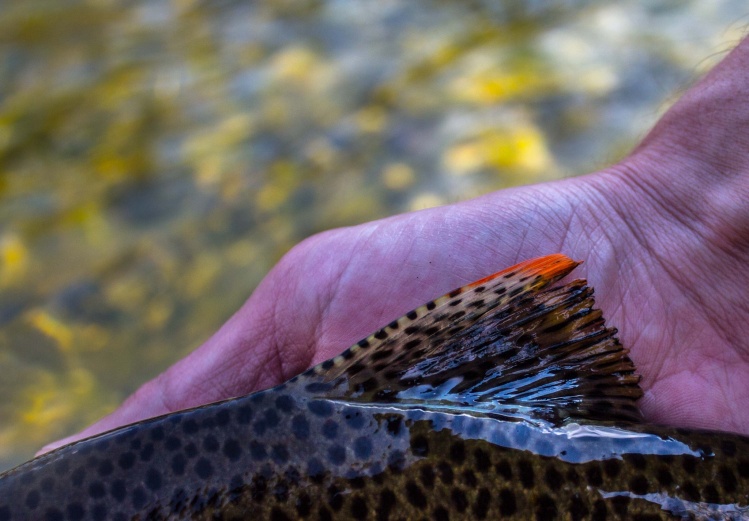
510	345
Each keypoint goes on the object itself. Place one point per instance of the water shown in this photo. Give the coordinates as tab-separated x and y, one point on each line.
158	157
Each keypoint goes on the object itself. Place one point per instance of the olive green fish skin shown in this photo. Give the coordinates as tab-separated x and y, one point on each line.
279	457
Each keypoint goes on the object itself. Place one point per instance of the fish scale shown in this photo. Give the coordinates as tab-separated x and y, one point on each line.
506	399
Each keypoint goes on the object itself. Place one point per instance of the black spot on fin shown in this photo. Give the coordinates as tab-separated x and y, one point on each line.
510	345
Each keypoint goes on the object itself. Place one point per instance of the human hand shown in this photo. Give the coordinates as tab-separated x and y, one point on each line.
665	239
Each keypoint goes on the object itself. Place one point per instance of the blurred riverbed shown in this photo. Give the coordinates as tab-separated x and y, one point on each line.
158	157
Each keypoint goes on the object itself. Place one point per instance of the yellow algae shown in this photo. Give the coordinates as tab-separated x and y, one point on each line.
222	136
14	257
321	153
281	180
118	86
92	337
299	69
88	217
111	165
271	196
294	64
208	170
526	149
355	207
199	276
183	5
493	86
276	111
425	200
371	119
51	327
6	134
126	294
522	148
280	231
232	183
242	252
398	176
249	54
463	158
160	309
53	400
598	81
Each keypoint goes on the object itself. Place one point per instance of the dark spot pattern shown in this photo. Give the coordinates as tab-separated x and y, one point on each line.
415	495
595	478
507	504
126	460
358	508
458	500
578	510
482	504
210	443
54	514
727	479
75	512
138	497
665	478
173	443
178	464
279	454
278	515
118	490
420	446
335	498
105	468
354	418
458	452
612	468
639	485
257	451
203	468
232	449
526	474
244	414
362	447
330	429
32	499
546	508
440	514
96	490
337	455
320	408
620	505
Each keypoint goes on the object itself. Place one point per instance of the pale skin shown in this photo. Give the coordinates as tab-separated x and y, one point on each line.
664	236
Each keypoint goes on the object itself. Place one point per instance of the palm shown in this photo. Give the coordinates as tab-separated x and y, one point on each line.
668	263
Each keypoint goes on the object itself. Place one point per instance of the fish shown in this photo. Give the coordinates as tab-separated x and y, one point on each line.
508	398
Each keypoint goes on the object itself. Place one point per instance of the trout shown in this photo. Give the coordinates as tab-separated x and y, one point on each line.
508	398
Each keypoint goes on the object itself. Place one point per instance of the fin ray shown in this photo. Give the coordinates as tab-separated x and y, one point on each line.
506	343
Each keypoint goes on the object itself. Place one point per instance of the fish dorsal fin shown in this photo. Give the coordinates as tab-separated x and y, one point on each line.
509	345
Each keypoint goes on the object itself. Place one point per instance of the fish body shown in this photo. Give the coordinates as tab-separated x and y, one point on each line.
505	399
